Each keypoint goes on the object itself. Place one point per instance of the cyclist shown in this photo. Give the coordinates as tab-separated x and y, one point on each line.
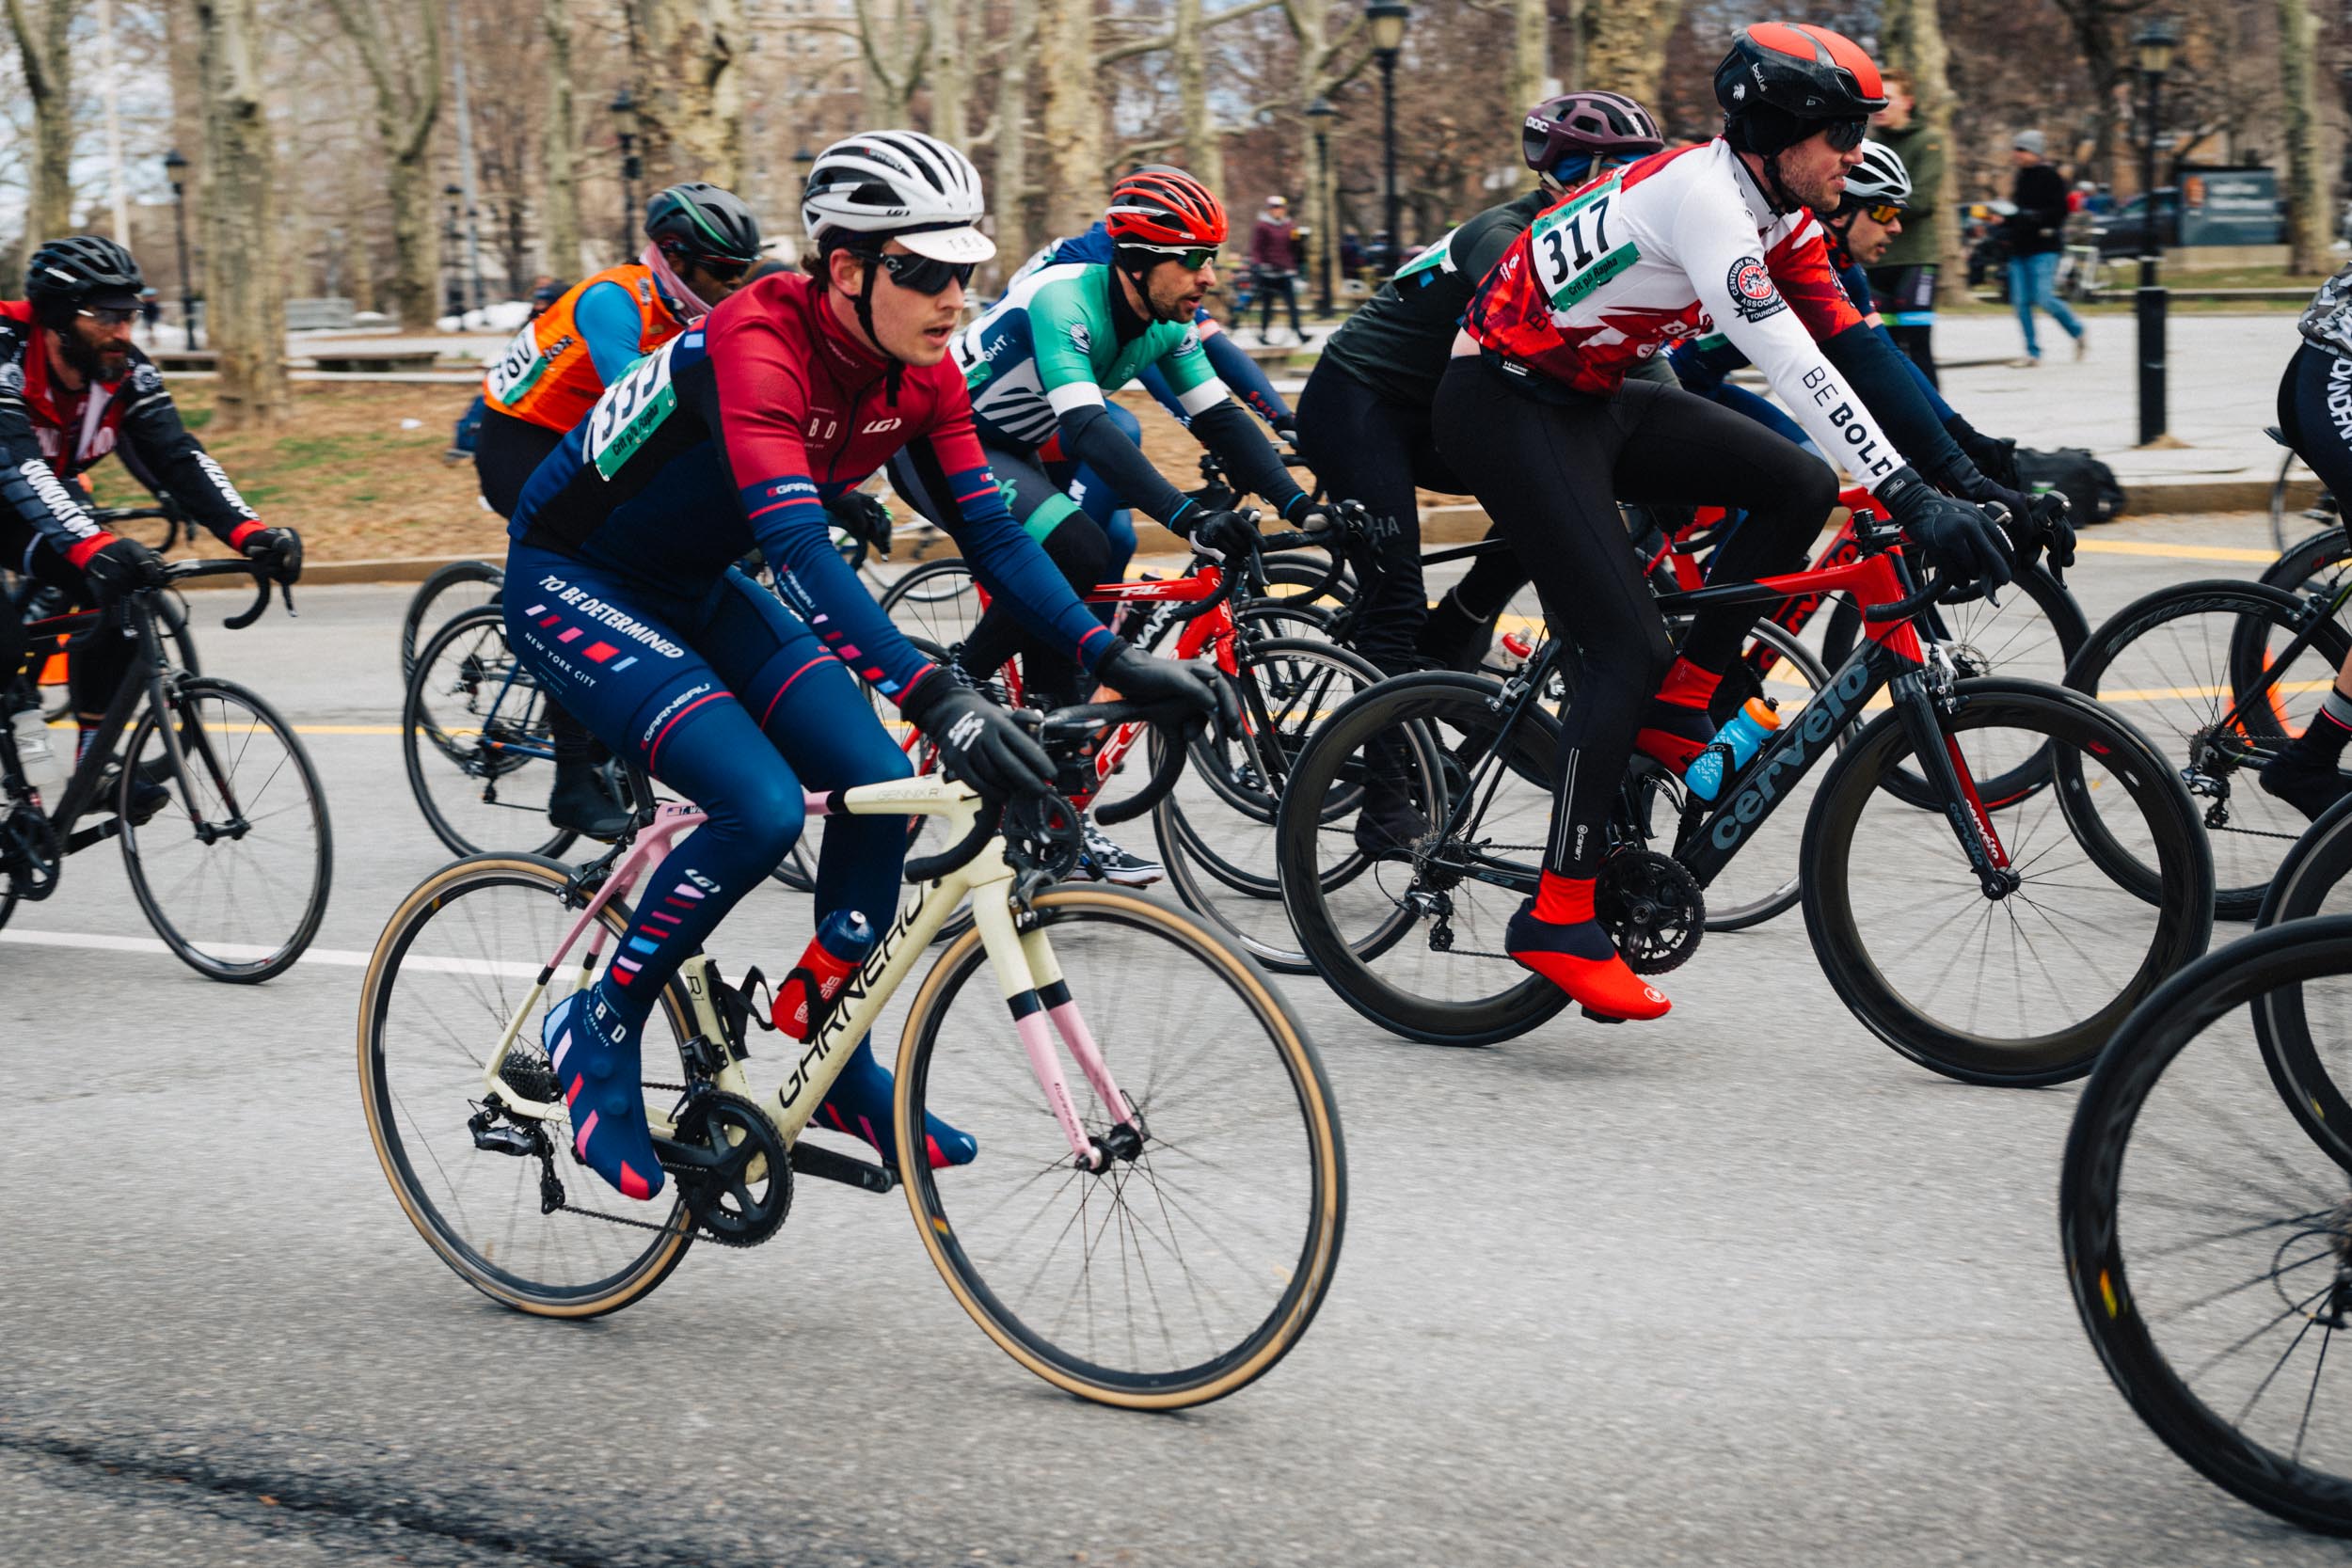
74	387
700	242
2316	415
623	594
1364	419
1039	365
1536	410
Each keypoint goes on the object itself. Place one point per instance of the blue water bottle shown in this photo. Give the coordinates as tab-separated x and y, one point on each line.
1745	737
842	941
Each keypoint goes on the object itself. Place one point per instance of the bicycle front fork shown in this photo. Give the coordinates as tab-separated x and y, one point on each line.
1037	996
1920	708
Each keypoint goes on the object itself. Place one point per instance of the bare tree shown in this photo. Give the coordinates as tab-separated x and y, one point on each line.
47	64
1621	45
683	58
1010	136
949	71
1072	117
399	43
559	202
2306	186
246	302
2097	26
1204	152
1911	36
1531	51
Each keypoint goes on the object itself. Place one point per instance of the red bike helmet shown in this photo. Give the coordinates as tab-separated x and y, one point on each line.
1781	79
1165	209
1586	126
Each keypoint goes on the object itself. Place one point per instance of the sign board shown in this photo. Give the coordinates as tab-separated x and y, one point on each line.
2229	206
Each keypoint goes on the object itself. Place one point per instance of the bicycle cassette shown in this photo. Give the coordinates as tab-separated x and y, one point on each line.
731	1167
1652	908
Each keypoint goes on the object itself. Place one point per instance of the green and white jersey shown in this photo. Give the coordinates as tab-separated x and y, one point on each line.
1051	345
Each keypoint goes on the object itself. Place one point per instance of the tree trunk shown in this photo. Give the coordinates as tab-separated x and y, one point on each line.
1530	53
1010	200
1205	153
358	254
948	71
407	104
558	208
1911	36
47	62
2306	186
1622	45
1072	117
688	88
245	312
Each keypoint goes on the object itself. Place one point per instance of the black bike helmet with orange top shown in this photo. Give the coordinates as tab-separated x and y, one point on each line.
1577	128
1783	80
1159	212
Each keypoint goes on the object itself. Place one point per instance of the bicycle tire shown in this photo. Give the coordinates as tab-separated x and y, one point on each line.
918	603
951	1233
1414	705
422	604
381	1107
2279	500
2320	863
1979	650
2300	566
423	744
2072	724
2091	1186
2256	613
139	841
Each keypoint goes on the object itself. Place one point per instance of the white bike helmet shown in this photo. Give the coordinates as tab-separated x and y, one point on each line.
896	185
1879	179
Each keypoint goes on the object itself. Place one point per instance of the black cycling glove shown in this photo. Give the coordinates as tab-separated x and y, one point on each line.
2052	516
1997	457
1218	534
863	516
121	566
1953	535
1139	677
977	741
281	548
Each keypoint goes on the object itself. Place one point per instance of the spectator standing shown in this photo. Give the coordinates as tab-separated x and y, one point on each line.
151	311
1273	266
2037	234
1903	281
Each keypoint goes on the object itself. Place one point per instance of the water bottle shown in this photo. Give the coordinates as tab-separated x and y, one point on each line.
843	940
1744	736
44	770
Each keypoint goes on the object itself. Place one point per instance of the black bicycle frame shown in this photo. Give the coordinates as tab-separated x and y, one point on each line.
143	682
2231	722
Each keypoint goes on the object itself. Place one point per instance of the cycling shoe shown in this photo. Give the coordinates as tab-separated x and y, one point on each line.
581	803
859	1103
1580	958
598	1075
2307	784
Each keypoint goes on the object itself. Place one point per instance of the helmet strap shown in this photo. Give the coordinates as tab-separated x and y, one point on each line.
865	306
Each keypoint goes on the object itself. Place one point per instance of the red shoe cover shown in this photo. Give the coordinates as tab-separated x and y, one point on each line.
1672	752
1603	984
1687	686
1564	900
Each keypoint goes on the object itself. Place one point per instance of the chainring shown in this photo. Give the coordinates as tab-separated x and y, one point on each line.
730	1205
1044	833
29	853
1652	907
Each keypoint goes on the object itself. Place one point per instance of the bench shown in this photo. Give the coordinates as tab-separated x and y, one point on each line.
376	359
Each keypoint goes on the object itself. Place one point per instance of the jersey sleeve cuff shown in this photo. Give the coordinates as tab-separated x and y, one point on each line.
78	555
244	531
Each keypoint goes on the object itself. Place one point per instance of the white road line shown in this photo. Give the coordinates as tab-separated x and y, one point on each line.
345	957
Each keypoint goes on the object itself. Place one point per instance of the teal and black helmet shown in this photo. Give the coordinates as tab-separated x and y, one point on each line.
701	222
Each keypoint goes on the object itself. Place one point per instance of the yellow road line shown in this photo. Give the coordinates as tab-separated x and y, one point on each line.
2177	552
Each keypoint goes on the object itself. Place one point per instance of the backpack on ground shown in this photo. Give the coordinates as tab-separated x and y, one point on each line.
2089	485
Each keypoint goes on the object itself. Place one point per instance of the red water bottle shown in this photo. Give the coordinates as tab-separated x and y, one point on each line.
842	941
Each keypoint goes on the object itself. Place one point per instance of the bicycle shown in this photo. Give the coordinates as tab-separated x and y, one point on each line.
2231	671
454	1085
2205	1214
1412	938
38	601
233	768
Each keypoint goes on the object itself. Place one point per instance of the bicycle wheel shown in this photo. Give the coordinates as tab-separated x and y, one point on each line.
2311	565
1413	941
238	892
473	734
2311	1063
2209	1241
1762	882
2177	662
2021	990
454	964
458	587
938	602
1174	1277
1216	828
2034	633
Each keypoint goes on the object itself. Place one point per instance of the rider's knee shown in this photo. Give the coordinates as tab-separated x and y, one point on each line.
766	816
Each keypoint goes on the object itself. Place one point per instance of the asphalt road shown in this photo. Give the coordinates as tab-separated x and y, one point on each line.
1740	1287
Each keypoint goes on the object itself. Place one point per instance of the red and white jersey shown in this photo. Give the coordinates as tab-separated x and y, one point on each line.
1677	245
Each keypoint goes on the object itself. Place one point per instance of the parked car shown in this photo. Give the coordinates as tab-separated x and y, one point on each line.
2124	230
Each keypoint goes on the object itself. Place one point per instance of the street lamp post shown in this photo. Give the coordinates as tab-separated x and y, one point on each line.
453	282
623	110
176	170
2154	43
1321	113
1387	20
802	160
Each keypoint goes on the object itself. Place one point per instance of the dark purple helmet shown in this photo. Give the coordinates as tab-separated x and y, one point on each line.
1587	125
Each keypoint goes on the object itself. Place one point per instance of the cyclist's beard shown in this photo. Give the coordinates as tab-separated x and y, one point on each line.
89	361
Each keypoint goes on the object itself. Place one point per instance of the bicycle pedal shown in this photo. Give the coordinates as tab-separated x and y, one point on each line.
1601	1017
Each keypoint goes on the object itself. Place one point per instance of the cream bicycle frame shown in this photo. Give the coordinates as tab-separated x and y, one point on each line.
1026	972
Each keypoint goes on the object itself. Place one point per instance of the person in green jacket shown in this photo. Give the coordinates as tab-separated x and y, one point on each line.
1903	280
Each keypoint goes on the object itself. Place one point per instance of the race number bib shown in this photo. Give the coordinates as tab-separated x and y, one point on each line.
1440	256
519	368
1574	250
631	409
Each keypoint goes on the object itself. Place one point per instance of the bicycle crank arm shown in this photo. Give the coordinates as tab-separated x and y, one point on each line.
825	1165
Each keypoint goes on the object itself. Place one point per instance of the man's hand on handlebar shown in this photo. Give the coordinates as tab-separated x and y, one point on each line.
1222	535
1139	677
863	516
1953	535
278	548
120	567
977	741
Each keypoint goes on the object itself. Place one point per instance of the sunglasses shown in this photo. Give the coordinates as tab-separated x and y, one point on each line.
1191	260
723	269
1846	134
926	276
111	315
1882	213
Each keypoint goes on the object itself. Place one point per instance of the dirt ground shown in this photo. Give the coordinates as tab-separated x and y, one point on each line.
358	469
